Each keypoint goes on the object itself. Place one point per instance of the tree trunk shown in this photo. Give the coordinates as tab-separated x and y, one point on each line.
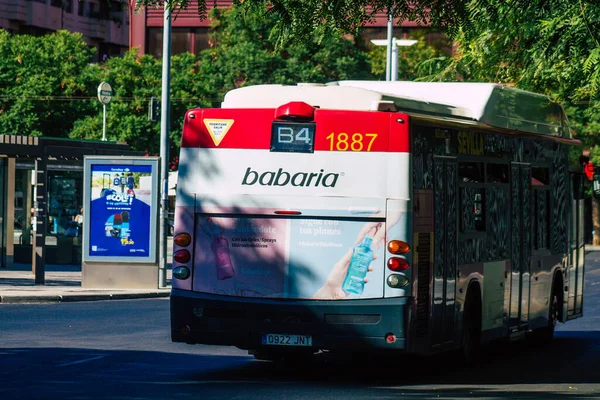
596	220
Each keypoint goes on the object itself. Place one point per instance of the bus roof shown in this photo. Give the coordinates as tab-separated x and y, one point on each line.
486	104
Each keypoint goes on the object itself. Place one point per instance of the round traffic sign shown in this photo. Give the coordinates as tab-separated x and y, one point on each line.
104	93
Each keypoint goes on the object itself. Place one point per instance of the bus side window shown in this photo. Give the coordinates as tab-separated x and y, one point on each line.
469	172
496	173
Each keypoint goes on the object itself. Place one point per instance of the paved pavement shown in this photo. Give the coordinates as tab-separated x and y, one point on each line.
63	284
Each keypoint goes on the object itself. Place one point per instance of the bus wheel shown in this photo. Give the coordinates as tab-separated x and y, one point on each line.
544	335
471	332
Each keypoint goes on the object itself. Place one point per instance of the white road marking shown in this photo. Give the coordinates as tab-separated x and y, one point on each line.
80	361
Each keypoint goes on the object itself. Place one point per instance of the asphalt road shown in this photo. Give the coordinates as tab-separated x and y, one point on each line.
122	350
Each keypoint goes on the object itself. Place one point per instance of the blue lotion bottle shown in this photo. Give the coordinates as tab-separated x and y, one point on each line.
362	255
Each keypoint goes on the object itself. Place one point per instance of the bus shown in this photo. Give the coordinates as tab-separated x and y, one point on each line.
363	215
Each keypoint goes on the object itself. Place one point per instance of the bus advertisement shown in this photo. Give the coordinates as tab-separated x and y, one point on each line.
376	215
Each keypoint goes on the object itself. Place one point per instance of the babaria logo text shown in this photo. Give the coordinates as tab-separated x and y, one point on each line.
284	178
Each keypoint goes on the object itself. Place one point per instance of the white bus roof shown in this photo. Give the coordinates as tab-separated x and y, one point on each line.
487	104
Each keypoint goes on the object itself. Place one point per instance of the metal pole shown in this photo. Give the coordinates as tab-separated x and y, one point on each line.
41	214
164	148
34	216
394	61
104	122
390	39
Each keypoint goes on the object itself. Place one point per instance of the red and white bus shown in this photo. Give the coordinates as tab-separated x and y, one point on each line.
359	215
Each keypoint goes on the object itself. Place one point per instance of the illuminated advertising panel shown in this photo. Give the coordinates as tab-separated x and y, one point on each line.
121	200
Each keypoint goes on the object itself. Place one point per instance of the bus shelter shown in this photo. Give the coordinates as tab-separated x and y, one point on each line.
41	198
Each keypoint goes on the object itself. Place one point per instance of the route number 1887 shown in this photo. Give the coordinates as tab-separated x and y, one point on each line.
355	142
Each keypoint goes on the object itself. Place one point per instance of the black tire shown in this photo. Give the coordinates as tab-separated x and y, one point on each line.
471	333
545	335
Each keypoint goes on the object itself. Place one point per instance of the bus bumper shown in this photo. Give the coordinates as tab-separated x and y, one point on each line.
350	324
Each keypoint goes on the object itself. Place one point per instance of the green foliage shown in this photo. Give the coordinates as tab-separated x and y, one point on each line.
135	79
49	85
40	80
242	56
414	62
299	21
546	46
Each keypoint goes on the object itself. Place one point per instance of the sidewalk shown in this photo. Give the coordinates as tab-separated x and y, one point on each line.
63	284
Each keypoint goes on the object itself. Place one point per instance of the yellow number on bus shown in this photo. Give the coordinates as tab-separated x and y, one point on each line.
357	140
339	141
373	136
342	142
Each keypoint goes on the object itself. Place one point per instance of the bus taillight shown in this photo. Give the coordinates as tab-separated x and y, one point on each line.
182	256
398	247
182	239
181	273
397	281
398	264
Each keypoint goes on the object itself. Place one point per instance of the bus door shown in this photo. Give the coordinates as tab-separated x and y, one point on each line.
444	271
520	187
576	250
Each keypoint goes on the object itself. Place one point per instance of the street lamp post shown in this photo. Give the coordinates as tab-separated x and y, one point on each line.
164	148
392	57
390	45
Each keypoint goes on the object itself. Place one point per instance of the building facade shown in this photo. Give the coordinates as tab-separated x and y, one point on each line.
190	34
112	27
104	24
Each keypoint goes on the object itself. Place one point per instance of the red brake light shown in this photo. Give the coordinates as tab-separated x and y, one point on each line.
182	239
287	212
398	264
182	256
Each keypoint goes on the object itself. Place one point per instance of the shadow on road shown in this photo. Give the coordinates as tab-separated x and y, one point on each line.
567	369
570	358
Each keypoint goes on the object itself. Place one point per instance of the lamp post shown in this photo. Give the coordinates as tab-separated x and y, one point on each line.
392	56
164	147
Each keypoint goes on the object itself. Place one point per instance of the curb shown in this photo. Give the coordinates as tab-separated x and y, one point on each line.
71	298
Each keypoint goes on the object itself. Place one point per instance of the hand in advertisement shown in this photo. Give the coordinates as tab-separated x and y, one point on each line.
332	289
379	236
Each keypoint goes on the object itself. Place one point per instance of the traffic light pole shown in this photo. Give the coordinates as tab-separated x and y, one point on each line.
164	148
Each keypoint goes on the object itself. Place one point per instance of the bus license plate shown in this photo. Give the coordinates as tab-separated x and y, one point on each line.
286	340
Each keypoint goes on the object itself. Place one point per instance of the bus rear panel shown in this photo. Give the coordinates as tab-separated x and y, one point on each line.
293	229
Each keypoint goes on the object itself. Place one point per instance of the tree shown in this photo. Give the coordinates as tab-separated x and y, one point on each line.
412	60
535	35
40	79
550	47
299	20
241	55
135	79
